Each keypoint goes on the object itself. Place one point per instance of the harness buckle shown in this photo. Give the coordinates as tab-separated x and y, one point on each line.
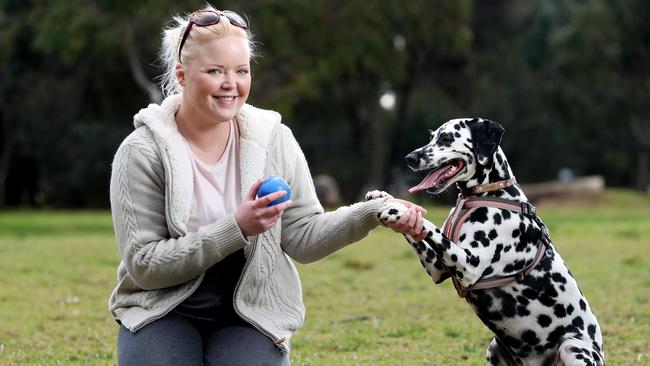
528	209
520	276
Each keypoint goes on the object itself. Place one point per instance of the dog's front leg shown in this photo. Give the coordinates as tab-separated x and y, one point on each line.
459	262
429	260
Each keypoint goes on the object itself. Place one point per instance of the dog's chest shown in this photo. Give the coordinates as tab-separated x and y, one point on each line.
501	241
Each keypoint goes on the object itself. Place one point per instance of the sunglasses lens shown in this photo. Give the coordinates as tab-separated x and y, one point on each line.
205	18
235	19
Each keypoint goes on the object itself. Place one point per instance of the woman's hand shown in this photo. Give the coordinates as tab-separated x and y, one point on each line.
411	222
253	217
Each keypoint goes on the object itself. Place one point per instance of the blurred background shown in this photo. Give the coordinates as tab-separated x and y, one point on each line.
360	83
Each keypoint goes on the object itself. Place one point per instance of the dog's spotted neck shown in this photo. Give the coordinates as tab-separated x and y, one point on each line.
498	170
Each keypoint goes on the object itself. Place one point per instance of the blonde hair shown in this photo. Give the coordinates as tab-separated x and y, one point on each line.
171	37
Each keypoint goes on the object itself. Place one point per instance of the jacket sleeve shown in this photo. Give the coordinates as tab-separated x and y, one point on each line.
152	258
309	233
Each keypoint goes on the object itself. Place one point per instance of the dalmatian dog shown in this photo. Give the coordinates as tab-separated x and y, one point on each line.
499	255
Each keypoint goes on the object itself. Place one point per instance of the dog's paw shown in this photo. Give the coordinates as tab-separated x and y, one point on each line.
377	194
391	212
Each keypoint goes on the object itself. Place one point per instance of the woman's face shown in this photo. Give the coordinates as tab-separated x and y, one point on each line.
216	83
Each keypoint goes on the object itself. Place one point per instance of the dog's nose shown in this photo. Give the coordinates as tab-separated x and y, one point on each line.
412	159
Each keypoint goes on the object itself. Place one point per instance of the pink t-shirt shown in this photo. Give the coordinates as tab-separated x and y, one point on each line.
217	188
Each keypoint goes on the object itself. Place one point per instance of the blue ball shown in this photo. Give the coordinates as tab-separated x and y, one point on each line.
274	184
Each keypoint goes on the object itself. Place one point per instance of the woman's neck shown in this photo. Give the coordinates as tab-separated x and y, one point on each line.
207	139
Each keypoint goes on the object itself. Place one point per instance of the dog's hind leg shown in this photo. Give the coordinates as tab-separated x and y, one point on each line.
579	353
496	355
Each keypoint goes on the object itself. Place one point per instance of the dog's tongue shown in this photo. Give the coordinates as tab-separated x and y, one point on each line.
430	180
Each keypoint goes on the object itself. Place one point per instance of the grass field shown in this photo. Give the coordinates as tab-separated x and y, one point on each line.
369	304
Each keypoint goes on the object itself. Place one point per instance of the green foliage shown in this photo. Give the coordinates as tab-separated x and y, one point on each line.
565	77
368	304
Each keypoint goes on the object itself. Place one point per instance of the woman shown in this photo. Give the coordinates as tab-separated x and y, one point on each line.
205	276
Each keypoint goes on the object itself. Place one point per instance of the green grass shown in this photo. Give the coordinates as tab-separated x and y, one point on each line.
369	304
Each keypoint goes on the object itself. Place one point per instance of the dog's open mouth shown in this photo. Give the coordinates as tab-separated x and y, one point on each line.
437	178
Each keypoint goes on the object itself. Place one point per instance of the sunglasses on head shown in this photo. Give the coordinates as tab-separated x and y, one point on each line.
204	18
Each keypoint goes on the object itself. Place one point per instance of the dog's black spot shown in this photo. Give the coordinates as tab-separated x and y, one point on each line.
591	329
530	293
474	244
497	219
569	309
506	214
515	233
583	305
543	320
530	337
488	271
515	266
454	258
430	255
473	260
446	242
512	191
461	238
392	211
492	235
556	335
479	215
445	139
508	303
522	311
557	277
559	311
497	253
578	322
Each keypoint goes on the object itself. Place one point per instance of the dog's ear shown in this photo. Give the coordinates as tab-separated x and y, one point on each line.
486	137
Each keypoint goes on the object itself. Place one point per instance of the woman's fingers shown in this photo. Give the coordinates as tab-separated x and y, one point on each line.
409	204
263	202
252	193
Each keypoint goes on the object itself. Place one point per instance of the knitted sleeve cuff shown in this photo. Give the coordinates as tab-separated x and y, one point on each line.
224	235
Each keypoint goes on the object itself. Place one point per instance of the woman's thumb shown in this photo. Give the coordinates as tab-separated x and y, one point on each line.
253	191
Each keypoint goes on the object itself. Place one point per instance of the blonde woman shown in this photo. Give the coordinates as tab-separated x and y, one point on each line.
205	276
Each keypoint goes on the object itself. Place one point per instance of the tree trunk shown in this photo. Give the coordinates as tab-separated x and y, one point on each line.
643	172
139	75
8	143
641	133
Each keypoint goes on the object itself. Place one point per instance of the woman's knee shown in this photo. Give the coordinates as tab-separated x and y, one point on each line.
242	345
170	340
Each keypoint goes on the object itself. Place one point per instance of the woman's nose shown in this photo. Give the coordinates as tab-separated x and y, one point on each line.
228	81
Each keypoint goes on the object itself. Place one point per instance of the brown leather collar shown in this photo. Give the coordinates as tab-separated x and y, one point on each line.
482	188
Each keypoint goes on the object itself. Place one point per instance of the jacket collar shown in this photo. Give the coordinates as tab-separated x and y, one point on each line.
255	126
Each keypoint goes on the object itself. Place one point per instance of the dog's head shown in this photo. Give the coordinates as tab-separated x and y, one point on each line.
456	151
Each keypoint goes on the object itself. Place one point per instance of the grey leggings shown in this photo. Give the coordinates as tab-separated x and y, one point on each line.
174	340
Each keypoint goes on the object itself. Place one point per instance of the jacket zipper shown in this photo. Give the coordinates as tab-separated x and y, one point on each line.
174	305
278	342
179	231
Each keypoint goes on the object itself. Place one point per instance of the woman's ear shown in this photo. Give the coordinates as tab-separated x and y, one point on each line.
486	137
180	74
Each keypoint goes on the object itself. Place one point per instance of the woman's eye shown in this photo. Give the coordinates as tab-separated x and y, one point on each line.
214	71
242	71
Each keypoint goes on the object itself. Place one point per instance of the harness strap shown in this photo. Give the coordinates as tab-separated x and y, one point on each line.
461	212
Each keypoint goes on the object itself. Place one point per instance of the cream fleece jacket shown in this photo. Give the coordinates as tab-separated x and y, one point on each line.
162	263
